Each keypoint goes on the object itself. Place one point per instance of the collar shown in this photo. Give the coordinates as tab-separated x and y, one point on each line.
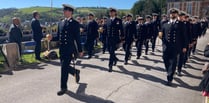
112	18
15	25
173	20
68	18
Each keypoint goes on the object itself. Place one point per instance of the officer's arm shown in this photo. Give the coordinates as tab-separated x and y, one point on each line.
135	35
77	37
134	29
96	29
163	33
121	29
185	38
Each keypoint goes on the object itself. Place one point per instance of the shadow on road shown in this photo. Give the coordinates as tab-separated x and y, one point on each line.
83	97
195	62
91	66
199	59
187	74
8	72
154	60
191	67
147	67
137	76
37	66
185	85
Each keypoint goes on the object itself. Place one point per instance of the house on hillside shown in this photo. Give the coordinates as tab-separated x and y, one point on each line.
193	7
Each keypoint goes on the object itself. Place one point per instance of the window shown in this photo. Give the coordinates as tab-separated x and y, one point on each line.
189	7
177	5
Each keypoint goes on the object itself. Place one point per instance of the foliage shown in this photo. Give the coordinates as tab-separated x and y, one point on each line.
146	7
46	14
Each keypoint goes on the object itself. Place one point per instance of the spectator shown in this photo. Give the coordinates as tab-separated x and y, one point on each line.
204	84
15	33
37	34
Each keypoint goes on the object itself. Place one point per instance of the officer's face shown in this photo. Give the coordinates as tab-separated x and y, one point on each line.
67	13
129	18
148	19
140	21
154	17
173	15
181	18
112	13
90	17
164	18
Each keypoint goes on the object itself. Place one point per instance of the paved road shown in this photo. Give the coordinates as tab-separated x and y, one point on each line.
142	81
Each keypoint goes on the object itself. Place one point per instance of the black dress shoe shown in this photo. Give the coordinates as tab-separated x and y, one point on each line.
126	62
39	59
61	92
178	73
110	69
137	57
169	83
115	62
77	76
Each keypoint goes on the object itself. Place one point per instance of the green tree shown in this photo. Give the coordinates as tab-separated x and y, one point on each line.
146	7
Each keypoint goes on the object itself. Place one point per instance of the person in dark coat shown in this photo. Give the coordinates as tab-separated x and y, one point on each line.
83	24
189	36
130	32
163	20
204	84
92	34
204	26
149	32
69	38
206	51
174	42
37	34
197	31
115	34
140	36
103	33
156	27
15	33
182	55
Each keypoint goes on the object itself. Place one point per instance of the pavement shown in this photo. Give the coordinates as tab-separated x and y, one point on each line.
141	81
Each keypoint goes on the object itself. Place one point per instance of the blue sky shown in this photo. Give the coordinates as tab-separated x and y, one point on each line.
119	4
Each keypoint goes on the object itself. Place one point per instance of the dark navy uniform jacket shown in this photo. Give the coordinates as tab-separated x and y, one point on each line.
115	29
129	30
149	30
92	30
140	32
69	37
188	31
156	26
174	37
36	29
196	30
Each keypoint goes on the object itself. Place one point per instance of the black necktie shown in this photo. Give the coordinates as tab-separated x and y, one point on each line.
66	22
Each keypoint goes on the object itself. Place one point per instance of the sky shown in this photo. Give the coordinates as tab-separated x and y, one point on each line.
119	4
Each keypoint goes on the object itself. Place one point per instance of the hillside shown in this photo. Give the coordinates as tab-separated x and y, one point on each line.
46	14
